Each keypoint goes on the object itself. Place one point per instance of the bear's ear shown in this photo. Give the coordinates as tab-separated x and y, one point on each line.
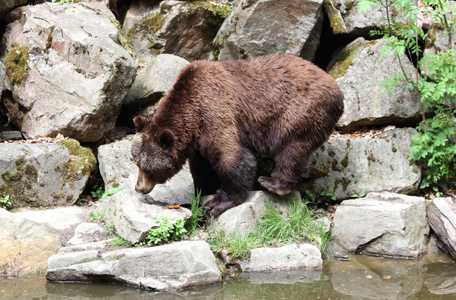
166	139
140	122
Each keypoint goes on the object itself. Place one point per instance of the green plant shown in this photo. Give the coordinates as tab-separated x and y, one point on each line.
434	82
322	201
238	246
197	214
96	216
8	122
98	191
361	194
63	1
164	233
110	229
118	242
5	202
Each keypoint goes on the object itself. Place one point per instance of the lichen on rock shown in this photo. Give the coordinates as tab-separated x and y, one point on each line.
16	64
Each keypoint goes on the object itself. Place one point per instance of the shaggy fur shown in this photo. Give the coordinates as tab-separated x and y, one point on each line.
218	113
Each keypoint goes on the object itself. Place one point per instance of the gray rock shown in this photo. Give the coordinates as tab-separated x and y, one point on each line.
26	245
349	165
169	267
2	75
360	71
118	169
40	175
242	219
132	216
441	214
62	219
259	27
78	73
349	20
176	27
290	257
155	80
89	232
382	224
10	135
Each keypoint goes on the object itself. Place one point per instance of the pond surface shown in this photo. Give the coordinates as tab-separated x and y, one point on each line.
363	277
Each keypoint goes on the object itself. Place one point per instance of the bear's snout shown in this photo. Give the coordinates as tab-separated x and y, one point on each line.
144	185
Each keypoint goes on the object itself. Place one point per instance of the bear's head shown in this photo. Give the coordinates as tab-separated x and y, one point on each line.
153	152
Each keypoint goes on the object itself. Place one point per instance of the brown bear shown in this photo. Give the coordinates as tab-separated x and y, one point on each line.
218	114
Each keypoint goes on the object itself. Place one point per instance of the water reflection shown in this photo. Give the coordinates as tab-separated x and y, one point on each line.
433	277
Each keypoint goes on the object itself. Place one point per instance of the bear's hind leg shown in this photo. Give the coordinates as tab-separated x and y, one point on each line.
289	167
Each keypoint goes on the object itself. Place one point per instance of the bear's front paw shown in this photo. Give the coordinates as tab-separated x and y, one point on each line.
273	185
220	208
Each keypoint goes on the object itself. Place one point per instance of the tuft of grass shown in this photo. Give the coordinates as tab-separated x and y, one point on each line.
274	229
197	215
119	242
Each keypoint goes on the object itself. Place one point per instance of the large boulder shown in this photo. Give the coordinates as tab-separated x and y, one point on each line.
66	69
349	165
26	245
132	215
118	169
154	81
360	71
259	27
168	267
345	17
182	28
382	224
45	174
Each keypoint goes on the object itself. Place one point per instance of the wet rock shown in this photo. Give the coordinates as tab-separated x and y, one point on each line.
175	27
154	81
168	267
290	257
385	279
261	27
26	245
360	71
242	219
132	214
382	224
46	174
118	169
441	214
66	70
350	165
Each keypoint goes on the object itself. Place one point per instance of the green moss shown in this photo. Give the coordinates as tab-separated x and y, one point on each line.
49	40
318	173
336	21
16	64
394	149
344	161
19	185
345	60
82	162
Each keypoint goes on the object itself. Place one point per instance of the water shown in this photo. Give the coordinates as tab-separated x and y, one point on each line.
363	277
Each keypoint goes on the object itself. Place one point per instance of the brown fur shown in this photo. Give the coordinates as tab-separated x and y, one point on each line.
219	113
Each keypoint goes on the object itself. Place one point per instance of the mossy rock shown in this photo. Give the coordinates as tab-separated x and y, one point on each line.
16	64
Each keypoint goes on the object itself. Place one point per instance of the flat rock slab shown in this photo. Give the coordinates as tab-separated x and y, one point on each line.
118	169
26	245
290	257
441	213
382	224
133	215
242	219
168	267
